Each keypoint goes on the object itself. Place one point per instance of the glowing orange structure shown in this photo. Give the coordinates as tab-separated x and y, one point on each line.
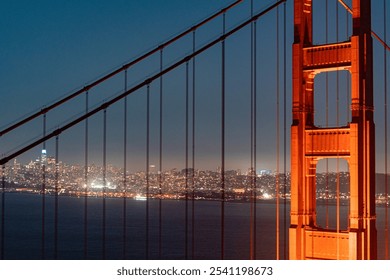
355	142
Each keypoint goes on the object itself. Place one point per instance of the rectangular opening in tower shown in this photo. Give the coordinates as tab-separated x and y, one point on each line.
332	194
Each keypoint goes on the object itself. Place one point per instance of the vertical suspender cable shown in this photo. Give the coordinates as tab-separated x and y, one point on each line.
348	76
56	202
251	222
86	179
254	133
385	131
193	147
223	145
277	137
2	257
147	170
284	135
327	124
160	178
104	182
124	232
337	158
251	147
186	164
253	140
255	137
349	98
43	191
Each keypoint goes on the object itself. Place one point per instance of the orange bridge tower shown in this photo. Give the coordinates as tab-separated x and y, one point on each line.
354	142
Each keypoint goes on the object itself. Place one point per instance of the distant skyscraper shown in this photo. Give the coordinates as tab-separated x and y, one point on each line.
43	157
264	172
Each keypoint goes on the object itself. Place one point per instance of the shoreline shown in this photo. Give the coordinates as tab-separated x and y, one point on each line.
132	196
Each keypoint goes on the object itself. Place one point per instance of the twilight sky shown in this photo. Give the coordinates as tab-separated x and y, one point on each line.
52	48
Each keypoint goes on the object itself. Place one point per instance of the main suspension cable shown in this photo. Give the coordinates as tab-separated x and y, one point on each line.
120	69
140	85
373	33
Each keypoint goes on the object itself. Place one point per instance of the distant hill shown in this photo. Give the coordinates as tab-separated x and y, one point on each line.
331	180
380	182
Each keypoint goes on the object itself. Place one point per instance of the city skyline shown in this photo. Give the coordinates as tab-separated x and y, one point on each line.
71	180
48	55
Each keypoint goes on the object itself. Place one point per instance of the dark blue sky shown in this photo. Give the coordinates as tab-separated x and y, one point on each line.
51	48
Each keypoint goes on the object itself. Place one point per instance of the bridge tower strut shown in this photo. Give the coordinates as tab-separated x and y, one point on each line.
354	142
